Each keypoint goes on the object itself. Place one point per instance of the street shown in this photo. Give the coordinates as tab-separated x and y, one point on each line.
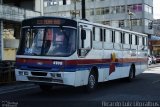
144	87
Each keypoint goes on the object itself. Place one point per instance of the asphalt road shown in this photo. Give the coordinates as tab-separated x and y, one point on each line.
145	89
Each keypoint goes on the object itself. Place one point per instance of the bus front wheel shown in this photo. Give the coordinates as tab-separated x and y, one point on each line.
92	82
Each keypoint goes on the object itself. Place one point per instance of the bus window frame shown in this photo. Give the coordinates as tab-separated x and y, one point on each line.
117	42
83	52
107	45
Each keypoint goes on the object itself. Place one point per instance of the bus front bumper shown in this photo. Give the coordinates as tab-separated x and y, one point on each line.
66	78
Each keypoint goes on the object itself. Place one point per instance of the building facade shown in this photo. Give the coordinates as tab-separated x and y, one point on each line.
12	12
156	27
154	40
128	14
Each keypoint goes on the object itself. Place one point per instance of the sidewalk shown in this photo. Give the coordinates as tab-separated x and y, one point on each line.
154	65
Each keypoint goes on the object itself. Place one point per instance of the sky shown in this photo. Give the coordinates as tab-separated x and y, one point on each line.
156	9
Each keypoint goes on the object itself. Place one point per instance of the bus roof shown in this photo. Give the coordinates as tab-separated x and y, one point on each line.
110	27
49	21
75	21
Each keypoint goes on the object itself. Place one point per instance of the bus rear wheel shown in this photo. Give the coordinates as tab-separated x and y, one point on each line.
131	75
45	87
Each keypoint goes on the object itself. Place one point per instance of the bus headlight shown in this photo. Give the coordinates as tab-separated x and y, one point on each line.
26	73
20	72
58	75
23	73
55	75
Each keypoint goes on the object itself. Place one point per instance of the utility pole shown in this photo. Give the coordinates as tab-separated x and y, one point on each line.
1	36
1	39
75	9
64	2
1	1
83	9
130	19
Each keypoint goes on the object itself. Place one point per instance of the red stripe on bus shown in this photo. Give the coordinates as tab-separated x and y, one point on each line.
33	61
81	61
101	61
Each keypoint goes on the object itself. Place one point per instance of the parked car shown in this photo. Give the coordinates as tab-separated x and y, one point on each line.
149	60
158	58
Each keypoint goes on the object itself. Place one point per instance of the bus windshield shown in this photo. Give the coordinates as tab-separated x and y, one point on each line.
49	41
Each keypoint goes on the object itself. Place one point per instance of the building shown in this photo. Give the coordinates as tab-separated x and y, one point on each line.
128	14
12	12
154	40
156	27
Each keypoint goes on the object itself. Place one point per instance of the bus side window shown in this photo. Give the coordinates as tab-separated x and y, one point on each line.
126	44
87	41
117	44
93	33
137	40
108	44
133	39
108	36
97	34
126	38
97	42
140	41
143	41
122	38
117	37
130	39
146	41
113	36
101	34
104	35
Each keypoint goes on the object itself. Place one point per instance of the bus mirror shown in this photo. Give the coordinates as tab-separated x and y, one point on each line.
83	34
82	52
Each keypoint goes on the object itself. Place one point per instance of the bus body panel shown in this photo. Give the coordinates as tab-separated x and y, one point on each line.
113	60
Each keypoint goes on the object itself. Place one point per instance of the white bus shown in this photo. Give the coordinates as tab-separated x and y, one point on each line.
63	51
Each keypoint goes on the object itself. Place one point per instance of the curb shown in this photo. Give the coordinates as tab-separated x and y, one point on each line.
155	65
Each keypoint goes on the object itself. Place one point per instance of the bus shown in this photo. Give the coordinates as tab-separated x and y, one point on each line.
61	51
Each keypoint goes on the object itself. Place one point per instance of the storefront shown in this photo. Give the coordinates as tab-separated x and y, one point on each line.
154	45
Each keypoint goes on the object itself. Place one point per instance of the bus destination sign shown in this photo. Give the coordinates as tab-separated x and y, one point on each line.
49	22
45	21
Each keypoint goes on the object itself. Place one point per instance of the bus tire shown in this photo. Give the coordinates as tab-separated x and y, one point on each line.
45	87
92	82
131	75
